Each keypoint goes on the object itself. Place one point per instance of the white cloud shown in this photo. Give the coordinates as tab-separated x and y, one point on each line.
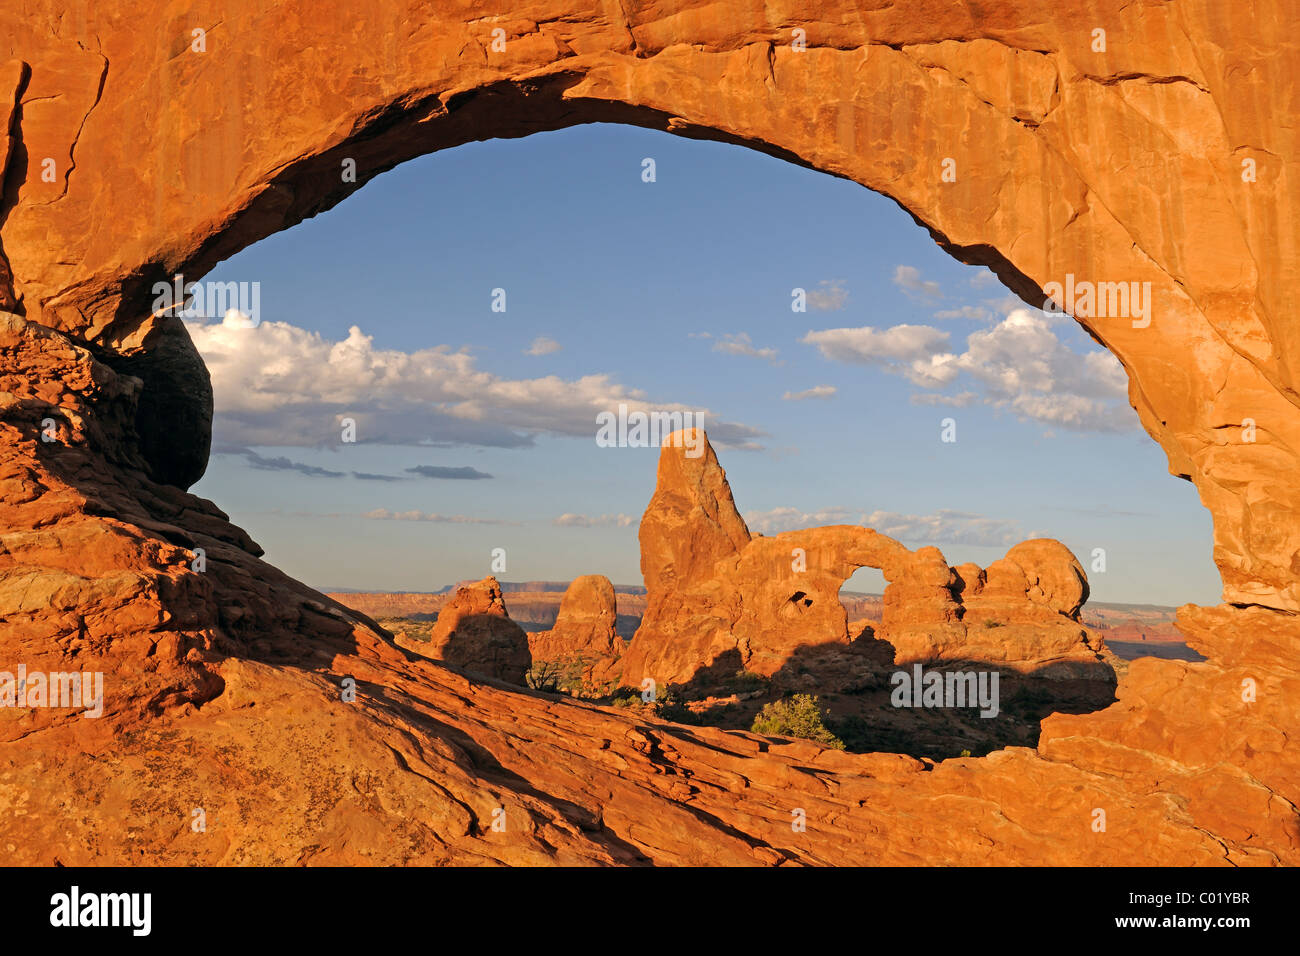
383	514
908	278
1006	304
235	319
948	527
936	371
1019	365
741	344
542	345
791	519
976	312
869	346
280	385
940	527
817	391
570	520
1023	366
829	296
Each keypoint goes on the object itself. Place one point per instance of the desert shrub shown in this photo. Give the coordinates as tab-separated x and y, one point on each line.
797	716
566	675
597	691
415	630
669	704
676	712
745	682
544	676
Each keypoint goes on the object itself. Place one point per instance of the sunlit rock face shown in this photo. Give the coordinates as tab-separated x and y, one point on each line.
1107	141
585	625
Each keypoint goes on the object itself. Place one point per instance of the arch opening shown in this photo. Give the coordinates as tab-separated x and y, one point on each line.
540	607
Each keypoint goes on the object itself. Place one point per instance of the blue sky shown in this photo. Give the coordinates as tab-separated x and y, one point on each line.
676	293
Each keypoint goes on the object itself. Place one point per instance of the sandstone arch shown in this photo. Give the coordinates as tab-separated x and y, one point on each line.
719	598
1125	164
879	97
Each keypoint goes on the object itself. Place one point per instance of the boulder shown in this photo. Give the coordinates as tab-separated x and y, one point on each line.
584	634
474	632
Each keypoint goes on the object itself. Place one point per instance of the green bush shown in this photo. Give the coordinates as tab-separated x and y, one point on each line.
743	682
667	705
797	716
544	676
676	711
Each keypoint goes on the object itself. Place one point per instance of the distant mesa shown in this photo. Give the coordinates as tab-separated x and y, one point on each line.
540	587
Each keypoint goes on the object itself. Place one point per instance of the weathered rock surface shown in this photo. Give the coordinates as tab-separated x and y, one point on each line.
1160	158
1017	96
474	632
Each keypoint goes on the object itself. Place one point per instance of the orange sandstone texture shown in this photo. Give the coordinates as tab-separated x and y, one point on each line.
1022	612
1160	158
225	689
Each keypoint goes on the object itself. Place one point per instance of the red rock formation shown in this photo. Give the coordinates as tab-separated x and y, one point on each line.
719	602
584	626
920	604
474	632
222	685
1022	612
1012	94
236	675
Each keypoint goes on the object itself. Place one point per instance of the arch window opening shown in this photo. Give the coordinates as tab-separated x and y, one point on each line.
409	400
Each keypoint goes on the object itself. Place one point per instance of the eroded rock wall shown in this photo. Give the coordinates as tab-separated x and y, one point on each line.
1152	157
127	157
